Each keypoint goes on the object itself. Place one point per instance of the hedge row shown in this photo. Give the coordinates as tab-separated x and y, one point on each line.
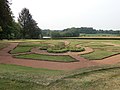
57	51
77	49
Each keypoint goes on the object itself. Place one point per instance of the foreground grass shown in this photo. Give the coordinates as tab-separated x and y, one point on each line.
3	45
46	57
14	77
27	74
105	79
6	84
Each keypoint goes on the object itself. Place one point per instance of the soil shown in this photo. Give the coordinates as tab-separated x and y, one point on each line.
7	58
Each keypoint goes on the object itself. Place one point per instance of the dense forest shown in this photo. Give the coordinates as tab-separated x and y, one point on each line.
26	27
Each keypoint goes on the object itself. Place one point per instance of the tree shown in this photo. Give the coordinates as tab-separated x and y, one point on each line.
1	29
46	32
16	31
30	30
55	34
5	19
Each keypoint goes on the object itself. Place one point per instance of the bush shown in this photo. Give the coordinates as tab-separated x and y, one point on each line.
44	47
59	46
76	49
50	50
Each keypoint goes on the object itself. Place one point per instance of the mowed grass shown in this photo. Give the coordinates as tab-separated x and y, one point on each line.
98	55
3	45
6	84
46	57
26	47
101	50
14	77
21	50
104	79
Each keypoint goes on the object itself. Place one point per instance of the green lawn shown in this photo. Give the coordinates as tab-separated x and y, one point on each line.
21	50
3	45
104	79
101	51
14	77
46	57
26	47
98	54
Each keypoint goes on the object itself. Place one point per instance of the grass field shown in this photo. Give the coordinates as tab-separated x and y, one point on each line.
47	57
26	47
14	77
3	45
101	50
105	77
21	50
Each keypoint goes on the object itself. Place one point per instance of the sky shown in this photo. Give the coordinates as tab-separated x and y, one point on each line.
61	14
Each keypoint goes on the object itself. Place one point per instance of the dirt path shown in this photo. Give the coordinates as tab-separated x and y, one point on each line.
6	58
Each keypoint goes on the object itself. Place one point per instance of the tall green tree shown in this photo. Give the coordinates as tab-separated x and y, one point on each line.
6	19
30	30
16	31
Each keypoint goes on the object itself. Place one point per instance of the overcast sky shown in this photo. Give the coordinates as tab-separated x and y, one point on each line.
61	14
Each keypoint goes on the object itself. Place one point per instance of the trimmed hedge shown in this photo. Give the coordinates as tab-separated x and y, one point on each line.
77	49
50	50
44	48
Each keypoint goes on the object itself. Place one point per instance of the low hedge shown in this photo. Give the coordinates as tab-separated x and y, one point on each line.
76	49
44	47
50	50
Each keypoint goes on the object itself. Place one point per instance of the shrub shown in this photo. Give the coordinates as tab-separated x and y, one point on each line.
75	49
50	50
59	46
43	48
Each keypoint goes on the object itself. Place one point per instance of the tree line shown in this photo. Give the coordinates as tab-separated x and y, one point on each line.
76	32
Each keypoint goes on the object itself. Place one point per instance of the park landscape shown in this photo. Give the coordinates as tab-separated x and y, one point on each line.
55	52
60	64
